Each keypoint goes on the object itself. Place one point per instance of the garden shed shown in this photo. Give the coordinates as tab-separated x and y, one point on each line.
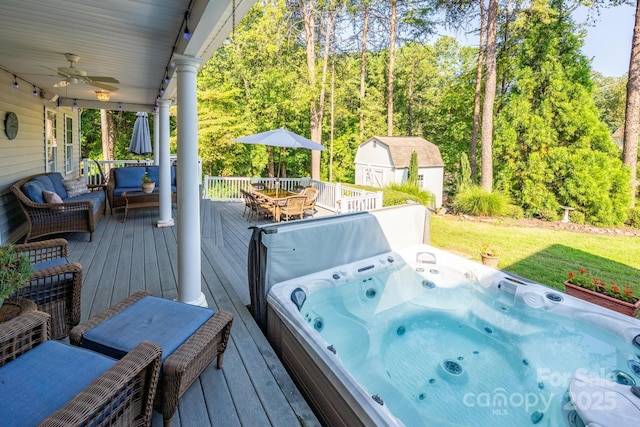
384	160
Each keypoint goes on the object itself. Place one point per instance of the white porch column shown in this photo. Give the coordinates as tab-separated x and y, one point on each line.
161	123
156	139
189	262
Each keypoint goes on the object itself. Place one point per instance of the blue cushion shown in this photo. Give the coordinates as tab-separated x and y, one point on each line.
50	263
46	182
154	173
33	190
43	379
97	197
164	322
56	178
130	176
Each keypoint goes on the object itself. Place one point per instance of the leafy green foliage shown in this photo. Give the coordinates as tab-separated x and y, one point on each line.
15	270
551	149
475	201
633	217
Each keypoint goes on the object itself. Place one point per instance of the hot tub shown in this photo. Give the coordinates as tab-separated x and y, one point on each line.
419	336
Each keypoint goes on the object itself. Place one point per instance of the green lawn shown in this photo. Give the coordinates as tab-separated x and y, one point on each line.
543	255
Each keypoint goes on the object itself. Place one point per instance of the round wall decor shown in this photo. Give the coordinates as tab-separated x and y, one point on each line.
11	125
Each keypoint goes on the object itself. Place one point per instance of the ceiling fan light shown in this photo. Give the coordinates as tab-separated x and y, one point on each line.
103	96
72	80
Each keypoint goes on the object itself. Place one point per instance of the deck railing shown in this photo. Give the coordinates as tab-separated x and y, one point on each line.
91	169
337	198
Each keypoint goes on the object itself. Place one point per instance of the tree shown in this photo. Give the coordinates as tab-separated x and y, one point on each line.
477	95
392	56
486	136
412	178
632	112
552	148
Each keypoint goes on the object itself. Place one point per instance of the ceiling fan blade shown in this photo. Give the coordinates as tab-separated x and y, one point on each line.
103	79
103	86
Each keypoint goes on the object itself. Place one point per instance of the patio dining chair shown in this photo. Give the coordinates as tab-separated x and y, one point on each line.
55	284
310	202
293	207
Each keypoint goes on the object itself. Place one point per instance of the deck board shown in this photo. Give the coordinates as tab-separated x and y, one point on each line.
253	387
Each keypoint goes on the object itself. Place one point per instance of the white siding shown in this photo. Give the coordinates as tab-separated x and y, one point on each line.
24	155
433	182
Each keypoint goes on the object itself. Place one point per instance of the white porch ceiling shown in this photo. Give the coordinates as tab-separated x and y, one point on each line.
130	40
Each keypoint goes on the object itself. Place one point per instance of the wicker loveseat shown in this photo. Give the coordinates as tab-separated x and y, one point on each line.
129	179
51	383
75	214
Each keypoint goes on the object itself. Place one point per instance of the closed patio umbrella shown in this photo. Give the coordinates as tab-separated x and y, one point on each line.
140	138
281	138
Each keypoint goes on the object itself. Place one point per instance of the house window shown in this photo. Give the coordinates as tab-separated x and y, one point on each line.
51	135
420	181
68	144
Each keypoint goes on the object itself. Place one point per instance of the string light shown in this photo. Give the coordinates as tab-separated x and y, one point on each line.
75	103
187	33
15	82
35	91
120	106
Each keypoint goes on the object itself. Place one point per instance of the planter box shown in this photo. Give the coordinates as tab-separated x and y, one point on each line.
489	260
603	300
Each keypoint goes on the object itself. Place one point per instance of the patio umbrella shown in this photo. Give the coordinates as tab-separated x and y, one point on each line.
280	138
140	139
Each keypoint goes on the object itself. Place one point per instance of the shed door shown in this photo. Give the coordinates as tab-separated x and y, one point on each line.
373	177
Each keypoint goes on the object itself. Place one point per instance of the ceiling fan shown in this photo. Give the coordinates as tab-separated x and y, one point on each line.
73	75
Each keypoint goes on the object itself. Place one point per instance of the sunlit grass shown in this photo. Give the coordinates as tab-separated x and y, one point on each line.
543	255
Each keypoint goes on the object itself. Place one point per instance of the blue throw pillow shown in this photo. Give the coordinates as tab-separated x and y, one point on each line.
56	178
33	190
46	182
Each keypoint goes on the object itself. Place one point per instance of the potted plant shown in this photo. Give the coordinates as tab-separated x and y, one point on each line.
147	184
489	256
15	271
582	286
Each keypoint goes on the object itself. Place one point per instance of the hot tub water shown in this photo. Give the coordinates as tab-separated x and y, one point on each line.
438	346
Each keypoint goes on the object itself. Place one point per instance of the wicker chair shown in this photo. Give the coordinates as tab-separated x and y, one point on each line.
181	367
55	284
293	207
122	395
310	204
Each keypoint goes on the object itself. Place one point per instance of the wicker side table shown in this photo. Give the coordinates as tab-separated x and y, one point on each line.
14	307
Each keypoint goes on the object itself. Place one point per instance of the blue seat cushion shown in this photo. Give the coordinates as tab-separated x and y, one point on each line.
56	178
97	197
164	322
55	262
130	176
43	379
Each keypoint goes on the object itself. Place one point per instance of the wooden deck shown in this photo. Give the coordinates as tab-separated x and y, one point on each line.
252	388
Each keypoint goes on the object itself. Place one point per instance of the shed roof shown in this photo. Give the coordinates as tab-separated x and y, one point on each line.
401	148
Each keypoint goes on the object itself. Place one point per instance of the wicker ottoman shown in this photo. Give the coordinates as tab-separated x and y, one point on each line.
190	337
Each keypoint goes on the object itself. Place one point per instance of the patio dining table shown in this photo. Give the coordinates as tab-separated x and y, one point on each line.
276	198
